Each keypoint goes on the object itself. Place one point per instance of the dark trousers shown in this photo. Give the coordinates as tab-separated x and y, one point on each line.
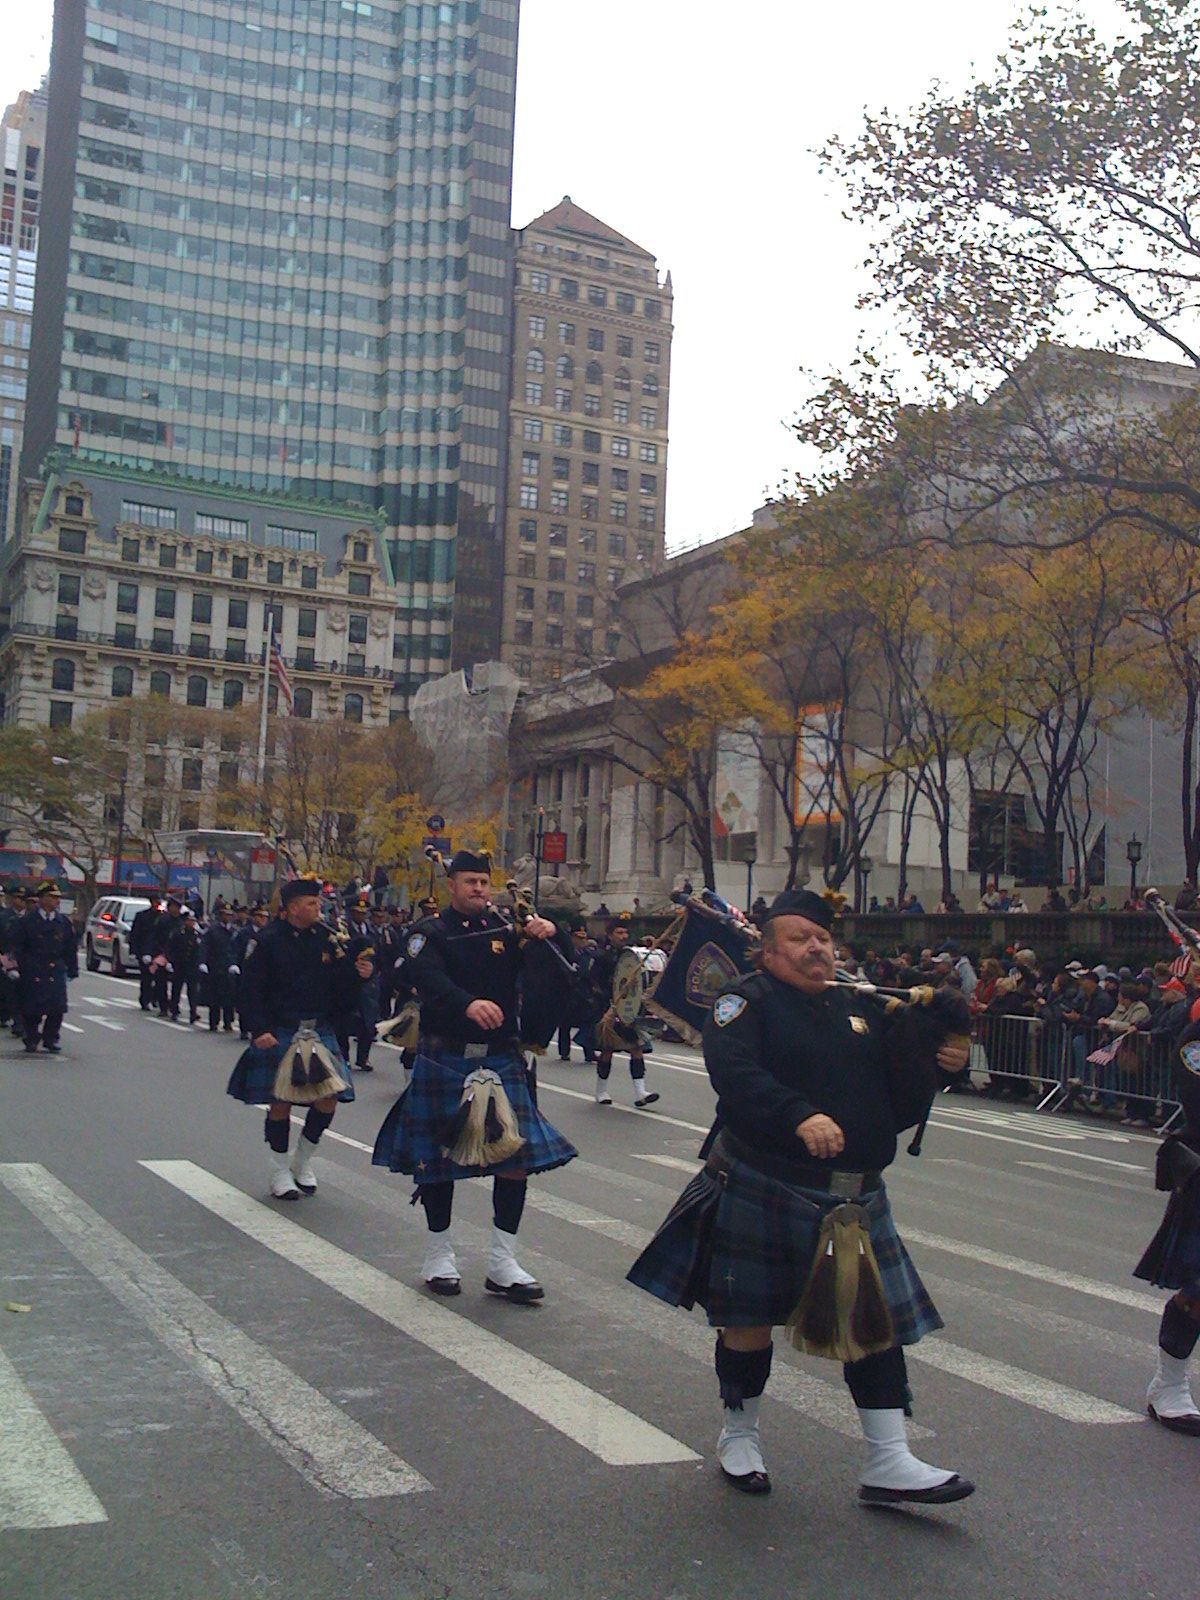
162	990
220	1004
145	988
43	1025
564	1041
179	982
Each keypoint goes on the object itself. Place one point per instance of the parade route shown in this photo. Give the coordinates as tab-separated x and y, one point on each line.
214	1395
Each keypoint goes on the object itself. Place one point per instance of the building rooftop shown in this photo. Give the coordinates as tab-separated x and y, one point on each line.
572	220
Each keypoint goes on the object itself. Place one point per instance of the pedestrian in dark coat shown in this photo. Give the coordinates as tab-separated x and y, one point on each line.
220	968
360	1023
11	912
44	949
140	931
160	961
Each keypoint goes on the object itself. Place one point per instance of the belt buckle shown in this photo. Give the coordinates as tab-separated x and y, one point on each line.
474	1052
845	1185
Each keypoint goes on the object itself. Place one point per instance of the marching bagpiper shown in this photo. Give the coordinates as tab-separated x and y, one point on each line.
616	1026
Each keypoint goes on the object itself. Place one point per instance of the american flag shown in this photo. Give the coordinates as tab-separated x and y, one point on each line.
280	674
1182	965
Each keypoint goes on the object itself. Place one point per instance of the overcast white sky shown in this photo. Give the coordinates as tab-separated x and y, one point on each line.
688	127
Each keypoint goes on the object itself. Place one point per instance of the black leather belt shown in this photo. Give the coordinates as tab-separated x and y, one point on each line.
845	1185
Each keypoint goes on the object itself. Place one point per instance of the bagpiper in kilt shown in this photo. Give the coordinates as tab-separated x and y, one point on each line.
470	1109
789	1221
1172	1258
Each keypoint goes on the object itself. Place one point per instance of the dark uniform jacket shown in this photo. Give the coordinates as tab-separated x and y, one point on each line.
777	1056
293	975
182	948
453	960
219	950
160	935
45	952
140	930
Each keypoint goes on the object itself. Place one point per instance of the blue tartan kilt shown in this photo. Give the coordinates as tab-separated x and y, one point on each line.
409	1140
252	1080
1172	1258
743	1249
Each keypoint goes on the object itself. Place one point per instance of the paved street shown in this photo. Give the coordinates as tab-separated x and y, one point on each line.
215	1395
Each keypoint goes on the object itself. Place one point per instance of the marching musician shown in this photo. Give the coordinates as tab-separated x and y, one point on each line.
789	1221
295	970
611	1034
466	964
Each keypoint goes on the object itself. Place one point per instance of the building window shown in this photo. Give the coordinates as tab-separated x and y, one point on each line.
199	646
591	474
302	701
620	445
125	636
66	626
647	451
234	691
197	691
645	516
625	346
583	645
522	666
152	815
654	310
191	774
204	561
352	708
618	511
238	612
359	583
73	505
274	572
241	567
160	684
306	658
357	630
533	393
68	589
131	549
122	683
648	482
589	507
621	381
235	650
554	635
62	675
562	399
591	405
568	288
624	304
616	544
562	467
564	367
273	616
293	538
537	327
228	777
202	608
556	602
525	599
621	411
523	632
560	501
591	440
162	639
531	463
535	361
587	541
60	713
556	569
146	515
189	815
566	333
652	352
648	417
645	549
620	478
649	384
558	536
615	576
166	555
306	623
531	428
562	434
584	605
597	295
72	541
164	602
528	496
308	577
586	572
595	373
612	642
526	565
595	339
539	282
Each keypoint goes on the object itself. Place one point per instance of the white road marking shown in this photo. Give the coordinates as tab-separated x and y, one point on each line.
1027	1387
1083	1177
103	1022
330	1450
40	1486
1114	1293
629	1111
690	1167
944	1126
71	1028
605	1429
553	1205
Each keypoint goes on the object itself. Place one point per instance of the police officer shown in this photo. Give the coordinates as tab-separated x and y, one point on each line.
219	967
813	1082
296	971
157	944
465	964
11	911
254	920
183	963
360	940
140	930
44	954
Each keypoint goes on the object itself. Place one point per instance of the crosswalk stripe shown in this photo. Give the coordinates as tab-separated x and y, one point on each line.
676	1162
629	1111
1041	1393
1112	1292
944	1125
71	1028
103	1022
607	1430
330	1450
40	1485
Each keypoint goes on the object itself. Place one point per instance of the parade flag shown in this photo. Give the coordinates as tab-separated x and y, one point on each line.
1182	965
280	674
709	952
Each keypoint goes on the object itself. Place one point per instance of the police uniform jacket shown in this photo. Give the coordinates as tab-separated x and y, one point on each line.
219	950
44	949
777	1056
9	917
161	934
140	929
453	960
182	948
292	975
364	941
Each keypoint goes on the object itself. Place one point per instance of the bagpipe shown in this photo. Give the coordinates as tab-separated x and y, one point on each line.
1186	938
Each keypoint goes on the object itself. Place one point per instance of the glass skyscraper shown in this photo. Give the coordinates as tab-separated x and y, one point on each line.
276	255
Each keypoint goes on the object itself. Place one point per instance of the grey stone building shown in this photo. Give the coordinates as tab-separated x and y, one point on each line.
22	141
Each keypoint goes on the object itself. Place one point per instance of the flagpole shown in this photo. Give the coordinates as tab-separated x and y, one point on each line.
262	710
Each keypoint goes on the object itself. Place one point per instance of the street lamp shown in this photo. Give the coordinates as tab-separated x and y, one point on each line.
1133	854
749	856
864	866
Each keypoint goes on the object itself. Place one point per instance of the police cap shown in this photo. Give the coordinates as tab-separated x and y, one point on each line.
297	889
802	903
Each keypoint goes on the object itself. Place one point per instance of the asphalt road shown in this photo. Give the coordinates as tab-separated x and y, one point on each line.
214	1395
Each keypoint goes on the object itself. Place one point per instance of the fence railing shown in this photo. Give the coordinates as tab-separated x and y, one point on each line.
1106	932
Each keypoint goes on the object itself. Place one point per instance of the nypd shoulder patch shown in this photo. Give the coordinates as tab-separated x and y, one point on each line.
728	1009
416	944
1190	1056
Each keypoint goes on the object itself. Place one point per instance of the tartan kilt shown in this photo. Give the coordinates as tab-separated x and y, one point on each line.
252	1080
1172	1258
743	1249
409	1140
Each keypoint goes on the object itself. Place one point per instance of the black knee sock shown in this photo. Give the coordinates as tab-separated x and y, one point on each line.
1178	1332
277	1133
880	1382
637	1068
603	1067
508	1202
315	1124
742	1374
438	1200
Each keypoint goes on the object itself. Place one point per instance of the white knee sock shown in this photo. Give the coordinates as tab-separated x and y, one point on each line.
1170	1393
890	1464
739	1447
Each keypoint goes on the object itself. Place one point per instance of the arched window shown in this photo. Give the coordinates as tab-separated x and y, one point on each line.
564	367
62	674
535	361
650	384
595	372
621	380
302	702
122	683
234	689
197	691
352	711
160	684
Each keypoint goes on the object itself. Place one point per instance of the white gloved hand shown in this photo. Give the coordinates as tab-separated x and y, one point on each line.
13	973
202	967
236	971
145	961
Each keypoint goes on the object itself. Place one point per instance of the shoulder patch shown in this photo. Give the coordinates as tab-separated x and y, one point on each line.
416	944
728	1008
1190	1056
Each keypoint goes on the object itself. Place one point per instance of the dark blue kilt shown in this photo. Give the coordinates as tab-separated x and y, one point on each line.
252	1080
1172	1258
409	1140
743	1248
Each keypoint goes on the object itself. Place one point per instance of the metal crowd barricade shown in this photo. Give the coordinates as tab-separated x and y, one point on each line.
1019	1050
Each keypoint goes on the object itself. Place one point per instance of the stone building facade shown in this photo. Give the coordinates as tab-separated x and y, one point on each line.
22	140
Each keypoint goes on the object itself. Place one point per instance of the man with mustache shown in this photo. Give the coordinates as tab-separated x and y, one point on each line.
814	1082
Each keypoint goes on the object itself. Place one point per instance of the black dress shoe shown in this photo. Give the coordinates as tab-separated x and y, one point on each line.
444	1286
1188	1424
748	1482
955	1488
30	1049
647	1099
521	1294
365	1066
54	1049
